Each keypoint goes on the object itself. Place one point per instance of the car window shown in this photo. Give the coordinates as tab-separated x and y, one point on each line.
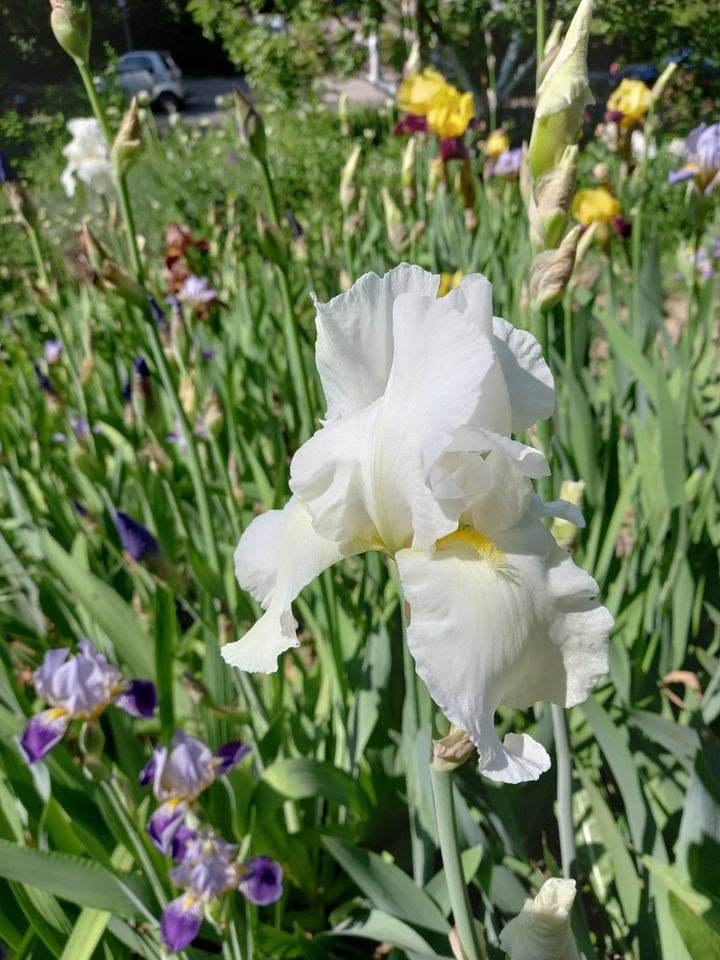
168	61
131	64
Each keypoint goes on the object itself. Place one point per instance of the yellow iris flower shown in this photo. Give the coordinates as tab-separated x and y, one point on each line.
632	98
417	91
595	205
497	143
428	94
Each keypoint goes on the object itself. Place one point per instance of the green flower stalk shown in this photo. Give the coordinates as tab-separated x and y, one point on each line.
71	23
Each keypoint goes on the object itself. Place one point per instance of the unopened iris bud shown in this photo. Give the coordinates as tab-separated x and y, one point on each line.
552	48
551	270
565	531
562	97
71	23
187	392
214	417
272	242
542	928
347	178
452	751
660	85
467	184
550	199
397	232
21	204
91	740
127	145
251	126
407	173
344	115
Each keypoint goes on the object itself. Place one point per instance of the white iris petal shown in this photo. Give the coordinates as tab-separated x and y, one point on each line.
416	459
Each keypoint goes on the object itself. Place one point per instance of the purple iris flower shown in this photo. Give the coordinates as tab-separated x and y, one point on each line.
208	869
43	382
409	124
179	776
156	311
80	687
508	163
52	350
135	538
261	881
141	368
197	292
702	158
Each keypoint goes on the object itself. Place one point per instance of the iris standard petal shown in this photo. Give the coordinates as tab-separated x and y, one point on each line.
43	733
165	823
370	472
278	555
354	350
262	881
509	622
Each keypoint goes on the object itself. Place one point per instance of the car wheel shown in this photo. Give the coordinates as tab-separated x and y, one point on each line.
168	103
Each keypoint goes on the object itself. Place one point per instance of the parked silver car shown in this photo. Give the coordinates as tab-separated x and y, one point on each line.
155	73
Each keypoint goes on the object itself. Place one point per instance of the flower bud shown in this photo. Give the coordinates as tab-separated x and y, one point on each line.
550	272
347	178
550	199
456	947
397	232
564	531
452	751
407	173
551	50
272	242
660	85
21	204
71	23
188	394
214	417
92	739
127	145
344	115
562	97
411	67
467	184
251	126
542	929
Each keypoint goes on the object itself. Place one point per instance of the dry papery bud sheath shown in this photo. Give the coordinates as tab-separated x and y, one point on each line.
549	203
71	23
452	751
128	144
550	272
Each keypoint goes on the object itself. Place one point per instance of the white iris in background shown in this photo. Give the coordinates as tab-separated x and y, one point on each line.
88	157
541	931
415	459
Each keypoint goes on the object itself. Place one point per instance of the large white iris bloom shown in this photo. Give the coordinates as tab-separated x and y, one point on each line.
415	459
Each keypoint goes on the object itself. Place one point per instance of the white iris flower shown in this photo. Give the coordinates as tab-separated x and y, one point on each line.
88	157
415	459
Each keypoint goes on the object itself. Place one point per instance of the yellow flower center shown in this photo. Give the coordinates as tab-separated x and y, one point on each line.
485	547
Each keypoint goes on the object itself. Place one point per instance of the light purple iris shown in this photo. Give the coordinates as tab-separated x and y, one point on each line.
508	163
261	881
80	688
208	869
702	158
197	292
52	350
178	776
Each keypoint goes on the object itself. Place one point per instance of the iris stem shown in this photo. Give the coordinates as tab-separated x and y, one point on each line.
563	759
442	788
539	38
120	181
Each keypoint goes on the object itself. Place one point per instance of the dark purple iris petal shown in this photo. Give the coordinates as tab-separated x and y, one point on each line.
147	773
453	148
43	381
613	116
135	538
7	175
43	733
156	311
141	368
409	124
139	698
229	755
181	922
180	843
263	881
164	824
622	227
